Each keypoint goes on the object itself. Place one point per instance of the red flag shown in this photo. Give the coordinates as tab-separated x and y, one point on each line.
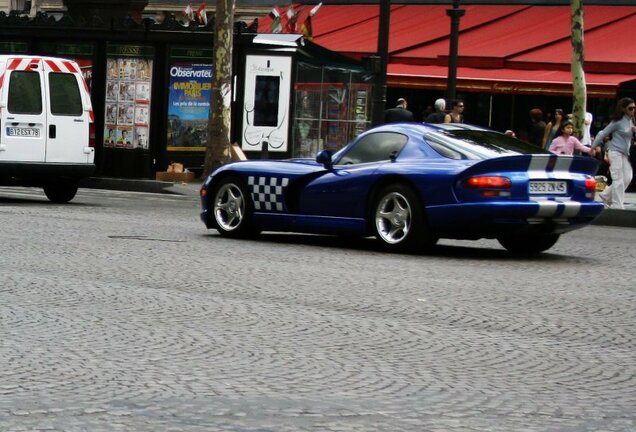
202	14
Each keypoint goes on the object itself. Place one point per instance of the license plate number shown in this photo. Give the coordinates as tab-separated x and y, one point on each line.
548	188
21	131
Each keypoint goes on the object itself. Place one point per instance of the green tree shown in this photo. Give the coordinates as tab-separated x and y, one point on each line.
578	73
218	149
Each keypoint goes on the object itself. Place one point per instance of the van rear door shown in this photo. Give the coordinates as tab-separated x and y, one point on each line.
23	116
68	113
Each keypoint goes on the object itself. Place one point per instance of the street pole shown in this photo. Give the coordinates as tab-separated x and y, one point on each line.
379	68
455	14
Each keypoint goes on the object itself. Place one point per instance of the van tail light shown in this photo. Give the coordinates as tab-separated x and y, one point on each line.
91	135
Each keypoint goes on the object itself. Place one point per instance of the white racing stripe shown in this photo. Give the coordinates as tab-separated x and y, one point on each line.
550	208
538	165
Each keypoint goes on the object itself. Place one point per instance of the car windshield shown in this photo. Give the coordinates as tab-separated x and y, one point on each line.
477	144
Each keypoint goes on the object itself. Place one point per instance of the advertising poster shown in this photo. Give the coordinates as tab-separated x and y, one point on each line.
189	106
127	118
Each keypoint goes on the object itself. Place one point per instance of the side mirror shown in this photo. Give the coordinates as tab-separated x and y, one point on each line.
324	158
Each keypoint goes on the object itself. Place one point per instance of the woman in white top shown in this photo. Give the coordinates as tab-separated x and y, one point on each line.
622	128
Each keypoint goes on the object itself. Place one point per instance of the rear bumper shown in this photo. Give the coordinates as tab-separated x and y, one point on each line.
492	219
29	172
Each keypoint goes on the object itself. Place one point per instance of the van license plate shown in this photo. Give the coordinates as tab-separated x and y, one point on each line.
547	188
21	131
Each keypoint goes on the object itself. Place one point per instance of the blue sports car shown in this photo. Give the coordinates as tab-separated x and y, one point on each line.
409	185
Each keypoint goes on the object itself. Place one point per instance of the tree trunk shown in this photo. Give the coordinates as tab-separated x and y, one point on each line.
218	147
578	74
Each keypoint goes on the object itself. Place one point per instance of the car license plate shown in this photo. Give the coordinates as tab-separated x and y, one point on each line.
23	131
548	188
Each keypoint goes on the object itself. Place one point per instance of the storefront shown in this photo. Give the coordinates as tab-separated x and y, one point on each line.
151	88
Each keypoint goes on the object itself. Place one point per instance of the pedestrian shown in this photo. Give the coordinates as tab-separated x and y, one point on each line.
440	112
586	139
622	129
552	128
565	142
537	127
457	112
399	113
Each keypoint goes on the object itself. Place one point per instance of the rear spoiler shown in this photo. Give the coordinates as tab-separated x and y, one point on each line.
537	165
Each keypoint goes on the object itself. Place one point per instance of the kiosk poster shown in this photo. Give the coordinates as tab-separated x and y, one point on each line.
189	106
128	84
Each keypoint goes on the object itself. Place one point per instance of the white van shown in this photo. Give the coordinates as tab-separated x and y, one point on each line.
47	136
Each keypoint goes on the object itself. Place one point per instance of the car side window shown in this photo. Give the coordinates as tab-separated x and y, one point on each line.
65	94
25	93
375	147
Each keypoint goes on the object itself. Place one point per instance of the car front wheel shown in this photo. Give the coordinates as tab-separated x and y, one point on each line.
399	220
528	243
232	208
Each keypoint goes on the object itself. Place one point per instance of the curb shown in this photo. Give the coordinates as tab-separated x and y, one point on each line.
618	218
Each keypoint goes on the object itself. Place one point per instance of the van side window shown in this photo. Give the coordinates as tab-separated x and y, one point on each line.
65	94
25	93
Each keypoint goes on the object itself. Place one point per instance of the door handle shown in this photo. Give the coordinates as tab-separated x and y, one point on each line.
52	131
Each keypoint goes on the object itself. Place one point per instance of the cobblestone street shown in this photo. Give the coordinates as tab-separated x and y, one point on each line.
120	312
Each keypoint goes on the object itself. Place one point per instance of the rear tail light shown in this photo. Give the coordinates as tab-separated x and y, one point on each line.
91	135
488	182
590	187
490	186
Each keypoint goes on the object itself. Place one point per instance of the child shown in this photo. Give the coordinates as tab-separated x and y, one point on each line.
565	143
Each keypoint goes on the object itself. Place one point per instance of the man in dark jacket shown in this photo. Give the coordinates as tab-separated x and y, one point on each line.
399	113
439	114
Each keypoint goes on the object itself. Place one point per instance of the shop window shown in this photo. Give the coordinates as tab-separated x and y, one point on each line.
332	107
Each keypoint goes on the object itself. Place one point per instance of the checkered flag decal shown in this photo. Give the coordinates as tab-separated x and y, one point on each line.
267	192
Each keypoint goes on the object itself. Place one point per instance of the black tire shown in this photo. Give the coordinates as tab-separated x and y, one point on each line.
399	222
61	191
232	208
528	244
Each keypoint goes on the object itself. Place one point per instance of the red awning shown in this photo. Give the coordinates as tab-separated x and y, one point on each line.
502	48
552	82
604	49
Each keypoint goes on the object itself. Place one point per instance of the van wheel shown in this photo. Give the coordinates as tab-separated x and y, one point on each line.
61	191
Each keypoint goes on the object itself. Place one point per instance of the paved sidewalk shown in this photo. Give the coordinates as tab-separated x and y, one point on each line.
622	218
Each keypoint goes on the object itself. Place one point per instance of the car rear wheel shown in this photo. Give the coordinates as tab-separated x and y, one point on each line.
61	191
528	243
232	208
399	220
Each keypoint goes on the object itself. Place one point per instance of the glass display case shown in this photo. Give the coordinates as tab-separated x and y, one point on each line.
332	106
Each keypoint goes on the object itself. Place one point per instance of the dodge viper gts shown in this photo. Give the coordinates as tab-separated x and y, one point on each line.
408	185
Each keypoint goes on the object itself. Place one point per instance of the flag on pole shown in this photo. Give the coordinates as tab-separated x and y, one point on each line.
306	29
313	10
202	14
189	12
292	18
275	26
